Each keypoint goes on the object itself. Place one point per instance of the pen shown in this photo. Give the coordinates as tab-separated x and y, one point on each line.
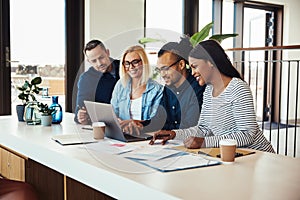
202	153
87	128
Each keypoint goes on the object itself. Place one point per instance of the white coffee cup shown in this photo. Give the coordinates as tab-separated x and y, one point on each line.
98	130
227	150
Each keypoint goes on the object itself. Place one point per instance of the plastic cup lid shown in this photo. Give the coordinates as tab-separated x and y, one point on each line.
228	142
97	124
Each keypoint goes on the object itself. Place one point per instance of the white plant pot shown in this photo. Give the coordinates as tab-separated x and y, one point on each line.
46	120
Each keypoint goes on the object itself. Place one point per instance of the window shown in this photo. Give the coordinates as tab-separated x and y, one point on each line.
164	21
164	14
205	13
37	31
37	39
227	23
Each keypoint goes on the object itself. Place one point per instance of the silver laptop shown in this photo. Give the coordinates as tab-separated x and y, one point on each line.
104	112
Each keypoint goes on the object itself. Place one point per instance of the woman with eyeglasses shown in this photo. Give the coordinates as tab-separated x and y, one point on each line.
227	110
136	96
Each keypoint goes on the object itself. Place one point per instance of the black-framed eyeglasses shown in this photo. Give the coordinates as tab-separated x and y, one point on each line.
134	63
165	68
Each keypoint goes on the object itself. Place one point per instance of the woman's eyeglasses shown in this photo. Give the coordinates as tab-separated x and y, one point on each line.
134	63
165	68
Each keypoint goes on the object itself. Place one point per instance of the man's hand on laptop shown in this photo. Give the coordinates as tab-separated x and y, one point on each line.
131	126
82	116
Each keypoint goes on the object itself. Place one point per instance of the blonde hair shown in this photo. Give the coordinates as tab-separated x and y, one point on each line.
146	66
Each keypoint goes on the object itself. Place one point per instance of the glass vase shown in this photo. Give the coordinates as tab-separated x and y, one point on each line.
31	113
58	115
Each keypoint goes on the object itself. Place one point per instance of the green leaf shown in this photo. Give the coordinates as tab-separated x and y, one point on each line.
148	40
36	80
26	85
201	35
36	91
221	37
45	109
21	88
32	97
38	88
26	98
29	89
22	96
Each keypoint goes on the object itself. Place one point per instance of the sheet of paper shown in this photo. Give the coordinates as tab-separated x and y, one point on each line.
151	153
110	146
116	147
181	162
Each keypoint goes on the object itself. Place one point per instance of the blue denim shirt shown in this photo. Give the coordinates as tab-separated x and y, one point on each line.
150	99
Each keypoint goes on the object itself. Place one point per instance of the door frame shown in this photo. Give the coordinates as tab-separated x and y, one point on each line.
271	93
5	67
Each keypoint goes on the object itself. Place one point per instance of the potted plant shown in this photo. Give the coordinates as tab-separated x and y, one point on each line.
204	32
46	114
196	37
27	94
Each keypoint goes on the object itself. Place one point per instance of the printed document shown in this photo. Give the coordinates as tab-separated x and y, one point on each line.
179	162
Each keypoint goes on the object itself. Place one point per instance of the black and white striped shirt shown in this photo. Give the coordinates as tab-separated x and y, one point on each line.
229	115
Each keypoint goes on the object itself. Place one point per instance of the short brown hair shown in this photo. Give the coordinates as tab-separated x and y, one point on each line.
92	44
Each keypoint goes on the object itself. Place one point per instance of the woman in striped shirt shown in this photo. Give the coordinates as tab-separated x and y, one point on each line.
227	110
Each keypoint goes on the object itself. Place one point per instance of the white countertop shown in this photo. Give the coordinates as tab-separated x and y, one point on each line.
257	176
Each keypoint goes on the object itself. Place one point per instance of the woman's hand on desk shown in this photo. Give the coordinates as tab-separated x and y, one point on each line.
131	126
163	135
194	143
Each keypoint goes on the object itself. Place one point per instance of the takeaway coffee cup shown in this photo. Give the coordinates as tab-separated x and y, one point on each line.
98	130
227	150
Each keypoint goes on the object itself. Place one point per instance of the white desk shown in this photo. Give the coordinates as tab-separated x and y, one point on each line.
257	176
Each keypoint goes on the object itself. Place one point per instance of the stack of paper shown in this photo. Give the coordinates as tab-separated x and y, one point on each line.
168	159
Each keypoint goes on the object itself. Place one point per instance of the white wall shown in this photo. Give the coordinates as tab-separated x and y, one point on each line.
118	23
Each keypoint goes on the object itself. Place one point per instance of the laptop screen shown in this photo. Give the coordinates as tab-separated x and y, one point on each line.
104	112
